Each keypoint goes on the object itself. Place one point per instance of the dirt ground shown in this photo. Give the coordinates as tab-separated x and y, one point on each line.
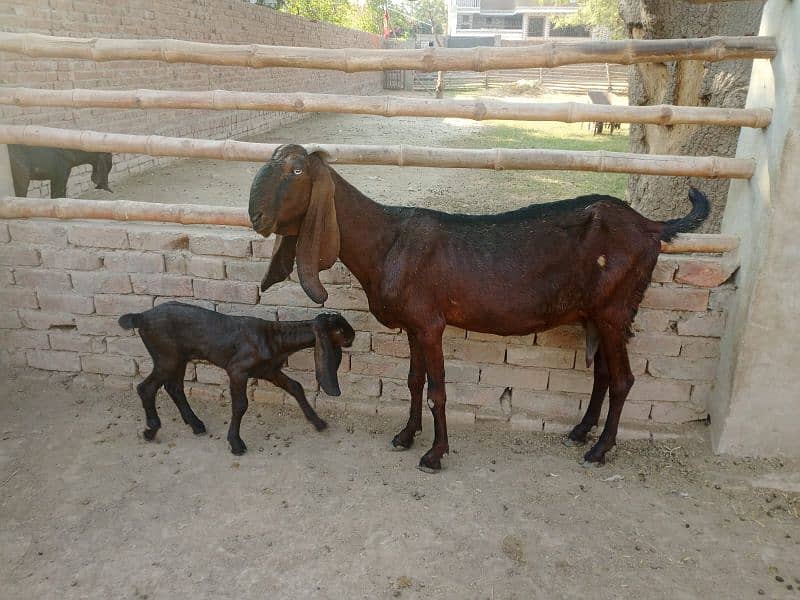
222	183
90	510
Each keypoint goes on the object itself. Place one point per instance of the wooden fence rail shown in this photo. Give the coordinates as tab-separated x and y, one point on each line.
388	106
193	214
350	60
402	155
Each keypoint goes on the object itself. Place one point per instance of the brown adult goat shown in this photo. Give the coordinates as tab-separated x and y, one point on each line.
585	260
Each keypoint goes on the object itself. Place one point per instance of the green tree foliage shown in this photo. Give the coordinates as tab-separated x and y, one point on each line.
597	14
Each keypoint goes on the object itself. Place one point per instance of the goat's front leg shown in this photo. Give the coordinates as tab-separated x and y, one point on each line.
58	185
434	365
613	341
238	408
416	381
296	390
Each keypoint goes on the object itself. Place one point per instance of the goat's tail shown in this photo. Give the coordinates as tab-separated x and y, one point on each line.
700	209
130	320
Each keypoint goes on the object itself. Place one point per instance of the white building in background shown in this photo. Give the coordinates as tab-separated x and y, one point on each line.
511	19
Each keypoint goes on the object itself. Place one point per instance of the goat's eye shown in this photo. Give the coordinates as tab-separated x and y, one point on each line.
298	171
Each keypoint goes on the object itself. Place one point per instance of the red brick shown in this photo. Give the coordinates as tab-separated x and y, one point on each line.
92	282
356	387
474	352
100	235
207	267
162	285
78	260
336	275
6	277
670	412
220	244
207	304
673	298
516	377
226	291
37	319
115	304
456	371
394	389
207	373
538	356
286	294
654	321
53	360
721	298
47	233
19	256
664	270
42	279
379	366
14	297
65	303
704	271
129	261
108	364
346	298
174	263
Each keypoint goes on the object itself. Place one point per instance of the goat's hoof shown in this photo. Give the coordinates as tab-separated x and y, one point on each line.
400	444
589	465
238	448
320	425
594	457
570	443
429	464
198	428
149	434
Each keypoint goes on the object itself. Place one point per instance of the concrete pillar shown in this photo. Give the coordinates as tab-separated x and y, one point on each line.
755	406
525	20
6	182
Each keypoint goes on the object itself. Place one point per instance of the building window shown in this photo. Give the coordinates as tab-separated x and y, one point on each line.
536	26
465	21
512	22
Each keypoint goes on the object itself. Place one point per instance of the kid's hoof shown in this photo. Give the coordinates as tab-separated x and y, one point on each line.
238	449
320	425
589	465
198	428
149	434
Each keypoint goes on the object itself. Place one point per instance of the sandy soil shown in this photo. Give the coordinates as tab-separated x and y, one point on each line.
222	183
90	510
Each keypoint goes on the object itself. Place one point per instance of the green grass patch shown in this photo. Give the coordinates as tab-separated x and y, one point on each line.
553	136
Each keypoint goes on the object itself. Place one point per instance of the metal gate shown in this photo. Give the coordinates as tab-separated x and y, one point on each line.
394	80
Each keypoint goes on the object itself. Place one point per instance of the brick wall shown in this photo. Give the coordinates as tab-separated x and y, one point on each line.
64	284
218	21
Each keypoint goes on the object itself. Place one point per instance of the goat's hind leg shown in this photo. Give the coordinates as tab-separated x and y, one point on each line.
577	437
613	342
174	388
416	381
147	390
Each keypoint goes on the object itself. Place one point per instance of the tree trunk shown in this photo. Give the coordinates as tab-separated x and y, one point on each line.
687	83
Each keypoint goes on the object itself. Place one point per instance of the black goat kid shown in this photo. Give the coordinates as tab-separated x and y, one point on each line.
175	333
55	164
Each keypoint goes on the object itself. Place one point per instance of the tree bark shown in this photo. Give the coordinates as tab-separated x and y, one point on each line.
688	83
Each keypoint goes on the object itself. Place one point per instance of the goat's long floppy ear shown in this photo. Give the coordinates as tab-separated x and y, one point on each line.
282	262
327	359
318	241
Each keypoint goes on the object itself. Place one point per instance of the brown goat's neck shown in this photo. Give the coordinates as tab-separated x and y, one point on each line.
366	228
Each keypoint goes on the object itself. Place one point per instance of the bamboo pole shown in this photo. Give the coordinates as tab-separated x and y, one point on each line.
193	214
478	109
402	155
351	60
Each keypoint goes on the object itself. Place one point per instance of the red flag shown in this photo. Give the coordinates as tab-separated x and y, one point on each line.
385	22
